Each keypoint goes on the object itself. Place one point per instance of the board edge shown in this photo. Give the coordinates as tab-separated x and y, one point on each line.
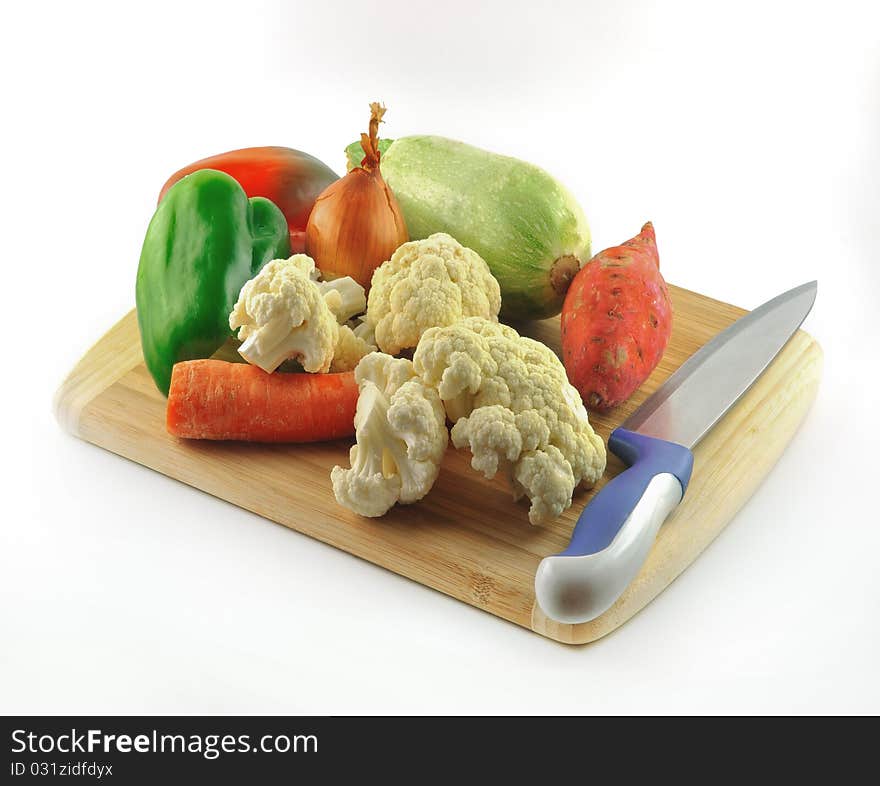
112	356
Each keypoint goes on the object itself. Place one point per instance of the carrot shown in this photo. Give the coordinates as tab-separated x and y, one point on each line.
213	399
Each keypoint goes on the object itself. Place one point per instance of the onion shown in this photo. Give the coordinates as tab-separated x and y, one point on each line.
356	223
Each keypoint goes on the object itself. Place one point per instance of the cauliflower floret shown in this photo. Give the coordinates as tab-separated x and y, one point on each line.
429	283
364	330
281	314
344	295
546	478
401	438
350	348
306	265
513	406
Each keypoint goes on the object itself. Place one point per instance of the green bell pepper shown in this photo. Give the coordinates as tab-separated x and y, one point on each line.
204	242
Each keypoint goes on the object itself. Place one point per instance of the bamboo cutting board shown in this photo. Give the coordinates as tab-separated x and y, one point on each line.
467	538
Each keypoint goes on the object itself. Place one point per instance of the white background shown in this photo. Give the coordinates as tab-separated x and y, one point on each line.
748	132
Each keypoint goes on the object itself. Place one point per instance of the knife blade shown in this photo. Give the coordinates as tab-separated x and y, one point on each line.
614	534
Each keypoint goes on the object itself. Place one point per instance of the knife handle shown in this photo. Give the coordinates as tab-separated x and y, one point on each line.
615	532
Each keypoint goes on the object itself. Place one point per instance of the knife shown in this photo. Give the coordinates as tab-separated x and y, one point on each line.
614	534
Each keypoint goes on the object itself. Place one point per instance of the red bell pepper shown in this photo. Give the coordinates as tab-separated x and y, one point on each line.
289	178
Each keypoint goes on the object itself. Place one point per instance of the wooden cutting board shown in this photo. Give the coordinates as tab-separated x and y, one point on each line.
467	538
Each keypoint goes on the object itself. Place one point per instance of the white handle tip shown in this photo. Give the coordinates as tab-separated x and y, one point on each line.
567	592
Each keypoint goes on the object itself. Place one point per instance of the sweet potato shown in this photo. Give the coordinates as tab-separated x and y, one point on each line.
616	321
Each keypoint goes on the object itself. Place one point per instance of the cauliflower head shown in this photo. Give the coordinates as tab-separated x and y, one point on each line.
281	314
286	312
512	405
401	436
429	283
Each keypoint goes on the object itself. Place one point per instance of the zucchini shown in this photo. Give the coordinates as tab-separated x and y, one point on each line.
524	223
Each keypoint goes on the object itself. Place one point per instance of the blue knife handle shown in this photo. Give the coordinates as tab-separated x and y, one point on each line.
645	457
613	535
